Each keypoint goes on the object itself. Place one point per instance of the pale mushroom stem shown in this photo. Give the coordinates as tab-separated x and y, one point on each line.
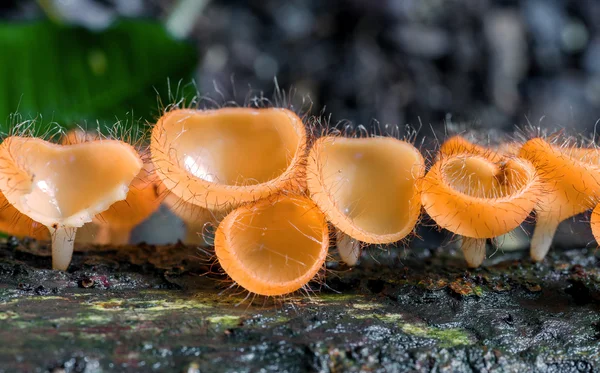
542	237
348	248
63	239
473	250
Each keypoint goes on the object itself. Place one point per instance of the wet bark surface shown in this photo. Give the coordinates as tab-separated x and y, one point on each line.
147	308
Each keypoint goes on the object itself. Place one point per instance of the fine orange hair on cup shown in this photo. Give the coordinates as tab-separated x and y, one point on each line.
221	158
274	246
366	188
571	177
478	194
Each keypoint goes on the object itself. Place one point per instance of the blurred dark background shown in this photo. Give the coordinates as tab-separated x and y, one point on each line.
443	64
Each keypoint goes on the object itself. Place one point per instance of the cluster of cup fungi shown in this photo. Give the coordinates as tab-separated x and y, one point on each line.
279	196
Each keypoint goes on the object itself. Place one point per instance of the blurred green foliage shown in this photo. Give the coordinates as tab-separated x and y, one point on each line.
73	76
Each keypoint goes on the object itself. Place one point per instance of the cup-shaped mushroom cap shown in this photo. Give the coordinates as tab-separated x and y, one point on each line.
473	196
143	198
224	157
273	246
14	223
366	186
65	185
571	177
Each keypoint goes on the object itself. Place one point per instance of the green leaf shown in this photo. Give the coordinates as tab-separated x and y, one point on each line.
73	76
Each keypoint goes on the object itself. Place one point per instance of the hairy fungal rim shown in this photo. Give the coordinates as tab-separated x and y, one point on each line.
216	195
326	202
525	165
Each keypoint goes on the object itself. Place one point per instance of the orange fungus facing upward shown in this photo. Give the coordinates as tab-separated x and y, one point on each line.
366	186
225	157
274	246
64	186
571	178
478	195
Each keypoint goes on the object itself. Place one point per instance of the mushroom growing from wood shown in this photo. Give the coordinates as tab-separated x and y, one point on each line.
274	246
478	194
218	159
366	188
65	186
571	179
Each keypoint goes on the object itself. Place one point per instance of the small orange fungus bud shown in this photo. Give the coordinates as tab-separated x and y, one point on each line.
64	186
478	195
571	178
221	158
366	188
274	246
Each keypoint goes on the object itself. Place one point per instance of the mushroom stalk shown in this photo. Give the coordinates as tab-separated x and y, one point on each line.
473	250
541	240
348	248
63	239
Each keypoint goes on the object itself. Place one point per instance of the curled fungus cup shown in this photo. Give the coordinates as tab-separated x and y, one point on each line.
274	246
114	225
64	186
366	188
222	158
479	197
571	178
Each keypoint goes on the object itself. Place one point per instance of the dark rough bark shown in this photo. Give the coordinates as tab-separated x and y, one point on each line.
149	309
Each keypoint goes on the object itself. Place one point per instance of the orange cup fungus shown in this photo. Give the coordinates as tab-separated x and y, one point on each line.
479	194
64	186
218	159
571	178
274	246
366	188
114	225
